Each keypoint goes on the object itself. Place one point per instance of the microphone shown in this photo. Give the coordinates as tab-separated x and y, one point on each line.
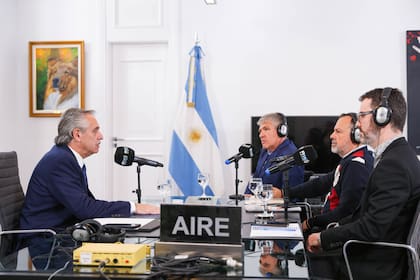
144	161
278	159
302	156
125	156
245	151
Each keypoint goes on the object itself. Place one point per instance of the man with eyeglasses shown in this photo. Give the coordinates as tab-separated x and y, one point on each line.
388	205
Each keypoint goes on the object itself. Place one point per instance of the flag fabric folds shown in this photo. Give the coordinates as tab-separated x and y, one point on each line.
195	146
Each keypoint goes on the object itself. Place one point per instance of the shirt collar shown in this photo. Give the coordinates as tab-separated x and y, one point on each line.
355	149
382	147
283	144
78	157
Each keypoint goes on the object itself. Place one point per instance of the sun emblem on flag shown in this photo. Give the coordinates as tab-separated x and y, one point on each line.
195	135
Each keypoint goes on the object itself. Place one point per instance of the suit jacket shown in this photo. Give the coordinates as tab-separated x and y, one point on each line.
58	194
384	214
295	173
345	186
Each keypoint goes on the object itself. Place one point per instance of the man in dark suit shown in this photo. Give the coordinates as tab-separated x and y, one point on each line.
387	207
58	195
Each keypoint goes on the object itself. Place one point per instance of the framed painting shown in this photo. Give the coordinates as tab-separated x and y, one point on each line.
56	74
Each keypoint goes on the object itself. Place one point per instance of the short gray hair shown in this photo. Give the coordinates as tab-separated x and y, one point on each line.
71	119
276	119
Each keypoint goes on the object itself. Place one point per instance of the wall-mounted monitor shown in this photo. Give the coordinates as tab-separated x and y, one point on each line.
305	130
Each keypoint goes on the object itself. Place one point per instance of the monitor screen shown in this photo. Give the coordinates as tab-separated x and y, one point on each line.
305	130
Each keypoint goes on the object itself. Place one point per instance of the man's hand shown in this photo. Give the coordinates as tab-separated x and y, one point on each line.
305	226
142	208
313	244
277	193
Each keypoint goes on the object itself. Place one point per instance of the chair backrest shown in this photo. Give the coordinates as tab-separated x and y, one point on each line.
412	247
414	234
414	239
12	198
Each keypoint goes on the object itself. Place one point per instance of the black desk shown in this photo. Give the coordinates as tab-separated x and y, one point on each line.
284	257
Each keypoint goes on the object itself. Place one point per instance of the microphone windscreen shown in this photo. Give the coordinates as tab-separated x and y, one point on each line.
246	150
124	156
305	155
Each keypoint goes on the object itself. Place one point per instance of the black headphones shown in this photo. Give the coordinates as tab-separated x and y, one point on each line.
92	231
282	129
382	114
355	131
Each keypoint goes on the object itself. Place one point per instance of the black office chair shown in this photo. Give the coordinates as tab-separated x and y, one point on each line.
12	199
412	247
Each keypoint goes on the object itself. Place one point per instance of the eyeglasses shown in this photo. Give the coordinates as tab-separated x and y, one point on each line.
361	114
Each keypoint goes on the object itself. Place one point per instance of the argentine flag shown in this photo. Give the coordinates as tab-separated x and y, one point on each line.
194	146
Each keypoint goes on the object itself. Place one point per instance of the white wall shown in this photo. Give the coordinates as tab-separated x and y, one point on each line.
8	75
50	20
300	57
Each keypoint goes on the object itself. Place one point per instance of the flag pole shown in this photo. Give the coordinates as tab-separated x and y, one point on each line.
196	40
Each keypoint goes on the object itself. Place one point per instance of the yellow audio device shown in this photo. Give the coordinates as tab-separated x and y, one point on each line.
112	254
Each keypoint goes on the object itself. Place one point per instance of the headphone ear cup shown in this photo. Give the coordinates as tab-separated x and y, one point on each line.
355	135
382	115
79	234
87	230
282	130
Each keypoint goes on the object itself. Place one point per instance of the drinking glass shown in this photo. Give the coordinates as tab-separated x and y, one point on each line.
203	181
165	190
254	184
265	193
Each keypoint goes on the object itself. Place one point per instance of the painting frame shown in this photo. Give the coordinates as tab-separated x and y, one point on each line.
56	77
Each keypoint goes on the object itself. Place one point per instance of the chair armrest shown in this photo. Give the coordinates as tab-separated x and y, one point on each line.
414	255
307	207
332	225
40	230
18	231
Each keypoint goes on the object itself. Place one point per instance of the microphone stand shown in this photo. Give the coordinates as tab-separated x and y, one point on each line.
286	194
236	196
138	190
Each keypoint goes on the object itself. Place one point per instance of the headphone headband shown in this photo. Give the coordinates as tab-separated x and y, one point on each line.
92	231
385	95
355	134
353	117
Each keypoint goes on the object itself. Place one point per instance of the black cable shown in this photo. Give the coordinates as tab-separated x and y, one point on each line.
188	266
157	275
59	270
56	246
50	254
101	267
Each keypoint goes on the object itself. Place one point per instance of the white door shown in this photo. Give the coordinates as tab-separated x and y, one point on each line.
139	122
